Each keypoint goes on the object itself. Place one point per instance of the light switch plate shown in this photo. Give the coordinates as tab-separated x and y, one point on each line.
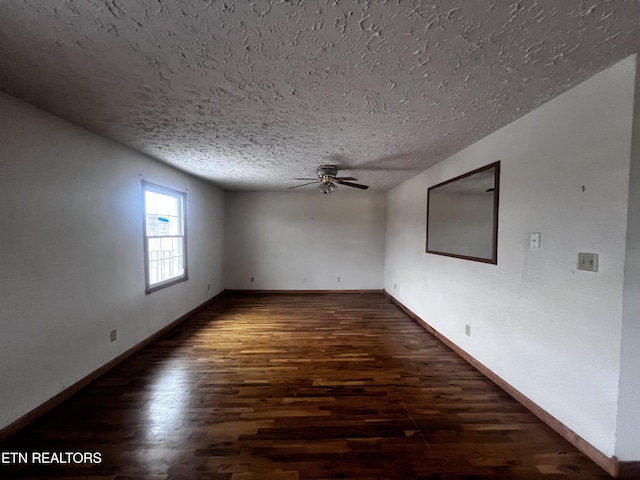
588	262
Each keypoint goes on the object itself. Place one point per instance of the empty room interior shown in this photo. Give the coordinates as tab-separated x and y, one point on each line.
324	239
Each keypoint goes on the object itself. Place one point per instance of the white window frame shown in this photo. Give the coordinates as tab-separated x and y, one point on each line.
182	214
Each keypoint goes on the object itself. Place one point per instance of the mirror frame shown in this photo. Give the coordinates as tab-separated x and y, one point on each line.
496	200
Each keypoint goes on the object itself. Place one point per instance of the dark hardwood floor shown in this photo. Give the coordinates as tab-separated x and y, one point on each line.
276	386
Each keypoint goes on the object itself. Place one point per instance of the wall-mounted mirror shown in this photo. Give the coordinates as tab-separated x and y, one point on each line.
462	216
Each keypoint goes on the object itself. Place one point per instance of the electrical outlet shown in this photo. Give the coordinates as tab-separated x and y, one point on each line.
113	336
534	241
588	262
338	279
252	279
395	286
467	330
208	286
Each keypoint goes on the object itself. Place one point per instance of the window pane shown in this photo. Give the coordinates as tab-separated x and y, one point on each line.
154	244
154	274
176	265
152	225
174	226
150	201
163	225
163	203
166	245
173	206
166	259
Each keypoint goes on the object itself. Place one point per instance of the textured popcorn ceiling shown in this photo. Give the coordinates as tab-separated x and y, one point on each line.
249	94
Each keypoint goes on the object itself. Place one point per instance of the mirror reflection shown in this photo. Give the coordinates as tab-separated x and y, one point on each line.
462	215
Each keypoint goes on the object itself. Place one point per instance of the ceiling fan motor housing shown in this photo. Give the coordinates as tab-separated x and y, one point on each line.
330	170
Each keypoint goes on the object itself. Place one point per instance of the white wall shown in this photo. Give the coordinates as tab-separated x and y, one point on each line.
551	331
71	256
305	240
628	433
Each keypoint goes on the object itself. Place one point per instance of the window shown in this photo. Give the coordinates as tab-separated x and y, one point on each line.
165	236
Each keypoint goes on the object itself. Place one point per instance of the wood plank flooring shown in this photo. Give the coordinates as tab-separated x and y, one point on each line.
278	386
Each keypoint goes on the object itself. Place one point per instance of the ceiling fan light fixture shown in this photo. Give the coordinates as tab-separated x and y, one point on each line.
326	187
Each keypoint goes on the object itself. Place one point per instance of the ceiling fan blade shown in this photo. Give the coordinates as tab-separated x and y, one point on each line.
316	179
346	178
350	184
302	185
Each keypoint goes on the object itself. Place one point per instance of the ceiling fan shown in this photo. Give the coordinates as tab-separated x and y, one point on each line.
329	181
